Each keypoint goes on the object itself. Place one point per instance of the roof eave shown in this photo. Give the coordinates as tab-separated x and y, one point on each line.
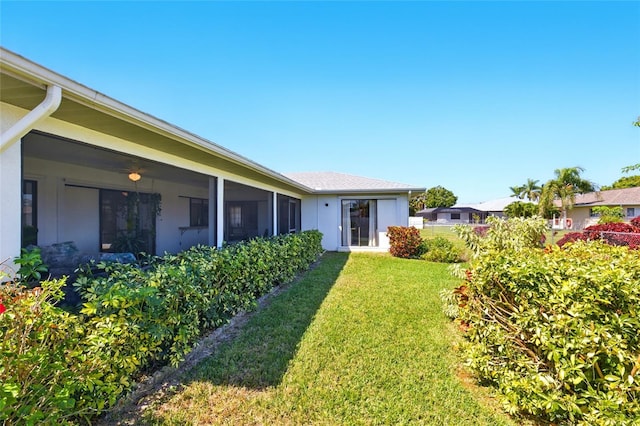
367	191
36	74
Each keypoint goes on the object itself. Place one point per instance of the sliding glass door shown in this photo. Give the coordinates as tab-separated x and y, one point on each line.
359	223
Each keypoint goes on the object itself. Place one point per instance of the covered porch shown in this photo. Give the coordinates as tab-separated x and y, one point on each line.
106	201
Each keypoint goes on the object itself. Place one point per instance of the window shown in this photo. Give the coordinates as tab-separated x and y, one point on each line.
359	223
128	221
235	216
288	215
455	216
241	220
198	212
592	213
29	213
631	212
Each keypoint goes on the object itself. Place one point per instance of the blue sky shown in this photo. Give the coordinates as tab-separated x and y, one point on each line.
474	96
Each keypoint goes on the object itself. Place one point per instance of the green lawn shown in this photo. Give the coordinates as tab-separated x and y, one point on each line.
360	339
447	232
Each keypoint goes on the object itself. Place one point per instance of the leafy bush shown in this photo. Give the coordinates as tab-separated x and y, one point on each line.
521	209
39	349
404	241
501	234
56	366
31	265
572	237
609	214
614	233
439	249
555	330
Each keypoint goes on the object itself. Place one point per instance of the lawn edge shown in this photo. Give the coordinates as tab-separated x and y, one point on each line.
130	408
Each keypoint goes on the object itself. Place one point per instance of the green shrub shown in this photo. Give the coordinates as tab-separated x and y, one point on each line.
515	233
609	214
521	209
39	347
404	241
57	367
439	249
31	266
555	330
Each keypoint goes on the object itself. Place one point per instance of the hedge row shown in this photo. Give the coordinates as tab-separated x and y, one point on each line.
555	330
56	366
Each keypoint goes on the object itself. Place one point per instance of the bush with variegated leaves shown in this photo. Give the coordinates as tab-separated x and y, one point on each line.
556	331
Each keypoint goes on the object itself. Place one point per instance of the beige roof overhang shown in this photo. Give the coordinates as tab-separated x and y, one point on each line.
23	83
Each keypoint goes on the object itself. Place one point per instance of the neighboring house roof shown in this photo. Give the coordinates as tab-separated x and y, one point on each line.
454	209
332	182
612	197
496	205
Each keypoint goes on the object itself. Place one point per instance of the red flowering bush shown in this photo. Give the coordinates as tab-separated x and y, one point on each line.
611	227
405	241
572	237
617	234
481	231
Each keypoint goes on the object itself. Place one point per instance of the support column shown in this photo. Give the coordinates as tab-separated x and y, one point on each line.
220	212
275	213
211	214
11	205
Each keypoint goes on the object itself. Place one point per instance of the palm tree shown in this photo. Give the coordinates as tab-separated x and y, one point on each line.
531	190
517	191
566	185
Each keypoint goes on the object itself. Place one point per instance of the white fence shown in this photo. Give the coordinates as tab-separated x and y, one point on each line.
416	222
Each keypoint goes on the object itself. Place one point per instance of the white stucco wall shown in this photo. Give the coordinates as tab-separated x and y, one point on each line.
323	212
581	216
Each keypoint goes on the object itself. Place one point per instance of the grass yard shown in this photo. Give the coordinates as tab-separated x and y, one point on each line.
432	231
360	339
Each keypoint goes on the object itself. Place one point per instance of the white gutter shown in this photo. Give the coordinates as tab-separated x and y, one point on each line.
23	126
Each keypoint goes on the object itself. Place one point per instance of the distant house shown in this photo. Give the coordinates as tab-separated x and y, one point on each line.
76	165
466	213
452	215
582	214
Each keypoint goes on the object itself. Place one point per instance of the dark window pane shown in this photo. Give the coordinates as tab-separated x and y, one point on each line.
29	213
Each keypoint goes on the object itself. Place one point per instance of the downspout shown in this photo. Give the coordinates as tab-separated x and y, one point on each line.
23	126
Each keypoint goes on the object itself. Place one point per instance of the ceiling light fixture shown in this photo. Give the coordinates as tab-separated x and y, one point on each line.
134	176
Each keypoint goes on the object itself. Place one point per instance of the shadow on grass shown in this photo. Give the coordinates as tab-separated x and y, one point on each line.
259	355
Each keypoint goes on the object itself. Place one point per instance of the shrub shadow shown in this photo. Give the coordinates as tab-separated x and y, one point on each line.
257	355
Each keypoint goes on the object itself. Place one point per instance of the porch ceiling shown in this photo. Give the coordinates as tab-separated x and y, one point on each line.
47	147
18	90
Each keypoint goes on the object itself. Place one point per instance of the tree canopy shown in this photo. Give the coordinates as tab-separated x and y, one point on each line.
520	209
624	182
566	185
439	196
530	190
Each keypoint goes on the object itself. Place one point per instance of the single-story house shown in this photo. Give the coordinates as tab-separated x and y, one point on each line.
77	165
583	215
451	215
466	213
